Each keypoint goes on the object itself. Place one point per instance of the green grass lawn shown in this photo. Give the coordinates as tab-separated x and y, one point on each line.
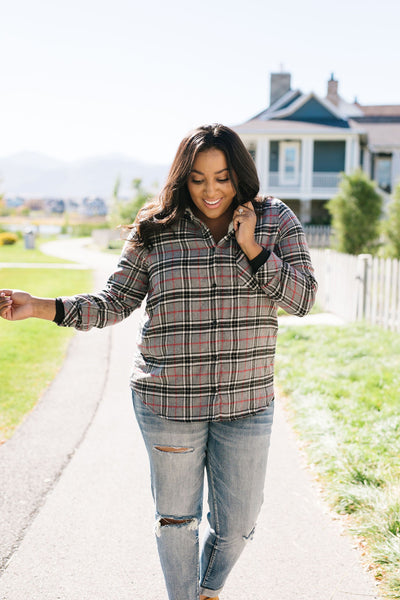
32	350
342	388
17	253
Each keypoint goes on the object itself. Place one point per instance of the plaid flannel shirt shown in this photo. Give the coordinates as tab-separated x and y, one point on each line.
207	344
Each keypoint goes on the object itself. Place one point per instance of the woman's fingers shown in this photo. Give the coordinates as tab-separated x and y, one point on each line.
244	224
244	213
15	304
5	302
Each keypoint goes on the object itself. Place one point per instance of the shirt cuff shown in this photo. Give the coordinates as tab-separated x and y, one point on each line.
259	260
60	312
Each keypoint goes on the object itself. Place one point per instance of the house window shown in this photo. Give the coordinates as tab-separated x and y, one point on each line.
289	162
383	173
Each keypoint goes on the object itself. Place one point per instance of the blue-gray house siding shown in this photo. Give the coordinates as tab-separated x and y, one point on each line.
329	156
274	157
314	112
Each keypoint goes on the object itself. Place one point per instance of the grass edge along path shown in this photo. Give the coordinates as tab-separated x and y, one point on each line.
18	253
341	388
33	350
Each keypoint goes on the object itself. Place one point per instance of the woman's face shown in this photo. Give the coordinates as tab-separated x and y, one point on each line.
210	185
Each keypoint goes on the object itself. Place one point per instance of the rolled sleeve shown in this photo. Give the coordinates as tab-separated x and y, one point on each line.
287	277
124	292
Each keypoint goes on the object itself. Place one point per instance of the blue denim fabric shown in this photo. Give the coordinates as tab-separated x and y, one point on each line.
234	454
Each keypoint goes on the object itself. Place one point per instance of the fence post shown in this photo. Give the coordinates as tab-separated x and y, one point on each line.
363	263
327	282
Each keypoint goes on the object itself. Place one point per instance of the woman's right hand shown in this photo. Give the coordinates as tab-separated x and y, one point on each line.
15	305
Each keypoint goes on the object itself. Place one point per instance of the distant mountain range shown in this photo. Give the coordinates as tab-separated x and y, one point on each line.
30	174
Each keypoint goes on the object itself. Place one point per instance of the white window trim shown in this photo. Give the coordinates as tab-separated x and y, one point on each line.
380	159
283	179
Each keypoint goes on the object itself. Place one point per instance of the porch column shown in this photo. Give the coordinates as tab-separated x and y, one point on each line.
348	163
307	161
367	162
356	153
262	164
395	169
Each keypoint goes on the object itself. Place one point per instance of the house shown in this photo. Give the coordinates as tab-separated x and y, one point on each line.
302	143
93	207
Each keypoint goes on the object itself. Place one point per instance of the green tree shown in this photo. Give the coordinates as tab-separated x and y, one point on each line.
356	212
392	225
124	212
113	218
4	211
129	210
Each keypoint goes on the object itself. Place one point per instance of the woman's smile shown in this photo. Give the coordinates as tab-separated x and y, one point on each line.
213	202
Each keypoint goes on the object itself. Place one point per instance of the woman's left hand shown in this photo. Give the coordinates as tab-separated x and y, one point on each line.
244	224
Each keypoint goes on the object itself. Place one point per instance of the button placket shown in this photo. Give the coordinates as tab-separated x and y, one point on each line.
214	330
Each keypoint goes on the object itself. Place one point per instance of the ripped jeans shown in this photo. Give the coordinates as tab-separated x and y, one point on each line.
234	454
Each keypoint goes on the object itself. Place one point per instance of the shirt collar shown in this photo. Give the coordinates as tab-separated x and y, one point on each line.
192	217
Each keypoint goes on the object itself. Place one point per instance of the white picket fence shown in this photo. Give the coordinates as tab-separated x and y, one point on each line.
359	287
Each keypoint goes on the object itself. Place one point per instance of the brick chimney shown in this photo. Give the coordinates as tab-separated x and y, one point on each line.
333	95
280	84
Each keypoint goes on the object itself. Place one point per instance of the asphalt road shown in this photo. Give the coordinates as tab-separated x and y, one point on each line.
76	518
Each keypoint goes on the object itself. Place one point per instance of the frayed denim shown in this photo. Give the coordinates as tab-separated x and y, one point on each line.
234	455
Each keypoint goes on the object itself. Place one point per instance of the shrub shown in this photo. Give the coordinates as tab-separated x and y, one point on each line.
392	225
7	238
356	212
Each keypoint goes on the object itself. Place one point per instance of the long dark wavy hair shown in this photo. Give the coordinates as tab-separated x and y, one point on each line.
175	198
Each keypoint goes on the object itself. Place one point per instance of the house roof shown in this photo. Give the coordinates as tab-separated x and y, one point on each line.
279	104
293	101
306	108
298	113
301	101
384	110
347	109
285	126
381	136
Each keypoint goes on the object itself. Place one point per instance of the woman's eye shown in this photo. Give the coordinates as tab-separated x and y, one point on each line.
199	181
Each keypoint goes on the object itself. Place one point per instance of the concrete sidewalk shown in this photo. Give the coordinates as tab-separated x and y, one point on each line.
87	534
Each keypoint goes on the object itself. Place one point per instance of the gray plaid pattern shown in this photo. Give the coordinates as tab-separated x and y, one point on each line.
207	345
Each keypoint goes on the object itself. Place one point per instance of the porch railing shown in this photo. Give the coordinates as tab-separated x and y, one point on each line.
319	180
325	180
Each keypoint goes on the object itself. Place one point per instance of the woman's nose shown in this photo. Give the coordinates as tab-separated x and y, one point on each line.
210	189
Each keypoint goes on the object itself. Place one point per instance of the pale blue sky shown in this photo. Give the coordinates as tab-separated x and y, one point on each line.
91	77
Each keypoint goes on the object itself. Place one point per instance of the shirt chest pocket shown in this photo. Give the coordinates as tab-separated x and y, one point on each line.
184	272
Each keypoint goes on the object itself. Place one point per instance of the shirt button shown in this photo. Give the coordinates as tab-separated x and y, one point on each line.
214	357
214	285
215	323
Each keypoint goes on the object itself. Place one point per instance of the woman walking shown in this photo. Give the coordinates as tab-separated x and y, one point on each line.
214	262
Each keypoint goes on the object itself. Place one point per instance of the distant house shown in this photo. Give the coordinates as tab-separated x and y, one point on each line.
93	207
55	205
302	142
14	202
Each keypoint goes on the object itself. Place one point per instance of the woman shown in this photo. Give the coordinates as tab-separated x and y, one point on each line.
215	262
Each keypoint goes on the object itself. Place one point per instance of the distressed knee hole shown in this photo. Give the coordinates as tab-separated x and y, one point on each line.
192	523
176	449
250	536
173	521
